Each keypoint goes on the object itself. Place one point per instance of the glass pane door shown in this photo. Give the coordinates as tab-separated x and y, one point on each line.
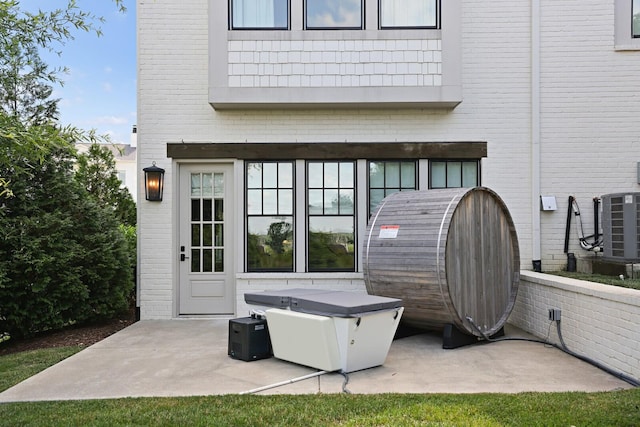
207	222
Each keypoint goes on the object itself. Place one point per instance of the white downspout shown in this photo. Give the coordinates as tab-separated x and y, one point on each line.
535	132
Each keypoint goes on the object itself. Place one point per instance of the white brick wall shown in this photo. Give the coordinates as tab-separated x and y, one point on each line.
334	63
597	321
173	106
590	116
590	128
166	107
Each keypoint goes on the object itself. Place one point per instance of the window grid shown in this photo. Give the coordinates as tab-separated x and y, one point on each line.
454	173
207	222
331	216
270	203
387	177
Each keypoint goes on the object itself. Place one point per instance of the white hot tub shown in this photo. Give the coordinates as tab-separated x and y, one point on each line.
329	330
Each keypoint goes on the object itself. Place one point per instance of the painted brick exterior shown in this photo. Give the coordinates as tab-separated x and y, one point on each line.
590	105
597	321
590	128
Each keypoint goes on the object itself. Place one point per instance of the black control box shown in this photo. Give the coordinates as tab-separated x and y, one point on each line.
249	339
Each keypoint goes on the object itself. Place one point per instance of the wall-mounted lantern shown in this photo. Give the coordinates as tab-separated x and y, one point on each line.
153	183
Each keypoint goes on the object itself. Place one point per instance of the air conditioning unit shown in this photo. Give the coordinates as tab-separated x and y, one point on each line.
621	227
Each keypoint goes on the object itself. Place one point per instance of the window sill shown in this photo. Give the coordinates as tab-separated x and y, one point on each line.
305	276
333	35
225	98
627	47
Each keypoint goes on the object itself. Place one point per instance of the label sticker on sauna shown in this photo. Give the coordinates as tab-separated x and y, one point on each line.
388	231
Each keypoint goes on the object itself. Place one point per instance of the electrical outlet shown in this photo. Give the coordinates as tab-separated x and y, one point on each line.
554	314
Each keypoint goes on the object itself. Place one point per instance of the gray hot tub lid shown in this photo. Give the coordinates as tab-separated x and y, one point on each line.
343	304
324	303
279	298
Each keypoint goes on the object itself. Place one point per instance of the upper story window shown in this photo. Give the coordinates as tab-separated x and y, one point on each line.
454	173
259	14
636	19
333	14
409	14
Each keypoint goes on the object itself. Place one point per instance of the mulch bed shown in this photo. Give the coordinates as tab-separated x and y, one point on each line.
85	335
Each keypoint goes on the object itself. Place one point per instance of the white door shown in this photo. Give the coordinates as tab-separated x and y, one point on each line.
205	239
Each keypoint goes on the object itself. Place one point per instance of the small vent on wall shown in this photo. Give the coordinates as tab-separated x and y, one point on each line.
621	226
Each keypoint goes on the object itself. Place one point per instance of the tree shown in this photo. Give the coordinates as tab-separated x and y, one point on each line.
24	149
24	93
279	232
63	257
96	172
25	81
46	29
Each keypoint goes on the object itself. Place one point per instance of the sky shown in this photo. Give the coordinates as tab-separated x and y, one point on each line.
99	91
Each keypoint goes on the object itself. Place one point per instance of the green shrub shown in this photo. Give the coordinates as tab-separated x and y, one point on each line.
96	171
129	233
63	258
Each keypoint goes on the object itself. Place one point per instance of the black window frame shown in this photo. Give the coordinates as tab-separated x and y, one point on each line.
416	179
363	4
247	215
633	14
449	161
419	27
353	215
232	28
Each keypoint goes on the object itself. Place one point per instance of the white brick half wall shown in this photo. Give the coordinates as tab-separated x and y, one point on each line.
598	321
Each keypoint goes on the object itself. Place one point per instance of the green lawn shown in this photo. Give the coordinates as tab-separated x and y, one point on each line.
17	367
600	278
618	408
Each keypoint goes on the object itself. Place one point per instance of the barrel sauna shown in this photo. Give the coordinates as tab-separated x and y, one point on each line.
449	254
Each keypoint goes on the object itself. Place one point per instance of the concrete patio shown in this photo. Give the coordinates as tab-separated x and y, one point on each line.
188	357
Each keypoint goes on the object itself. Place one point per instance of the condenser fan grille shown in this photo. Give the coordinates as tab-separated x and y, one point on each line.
621	226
